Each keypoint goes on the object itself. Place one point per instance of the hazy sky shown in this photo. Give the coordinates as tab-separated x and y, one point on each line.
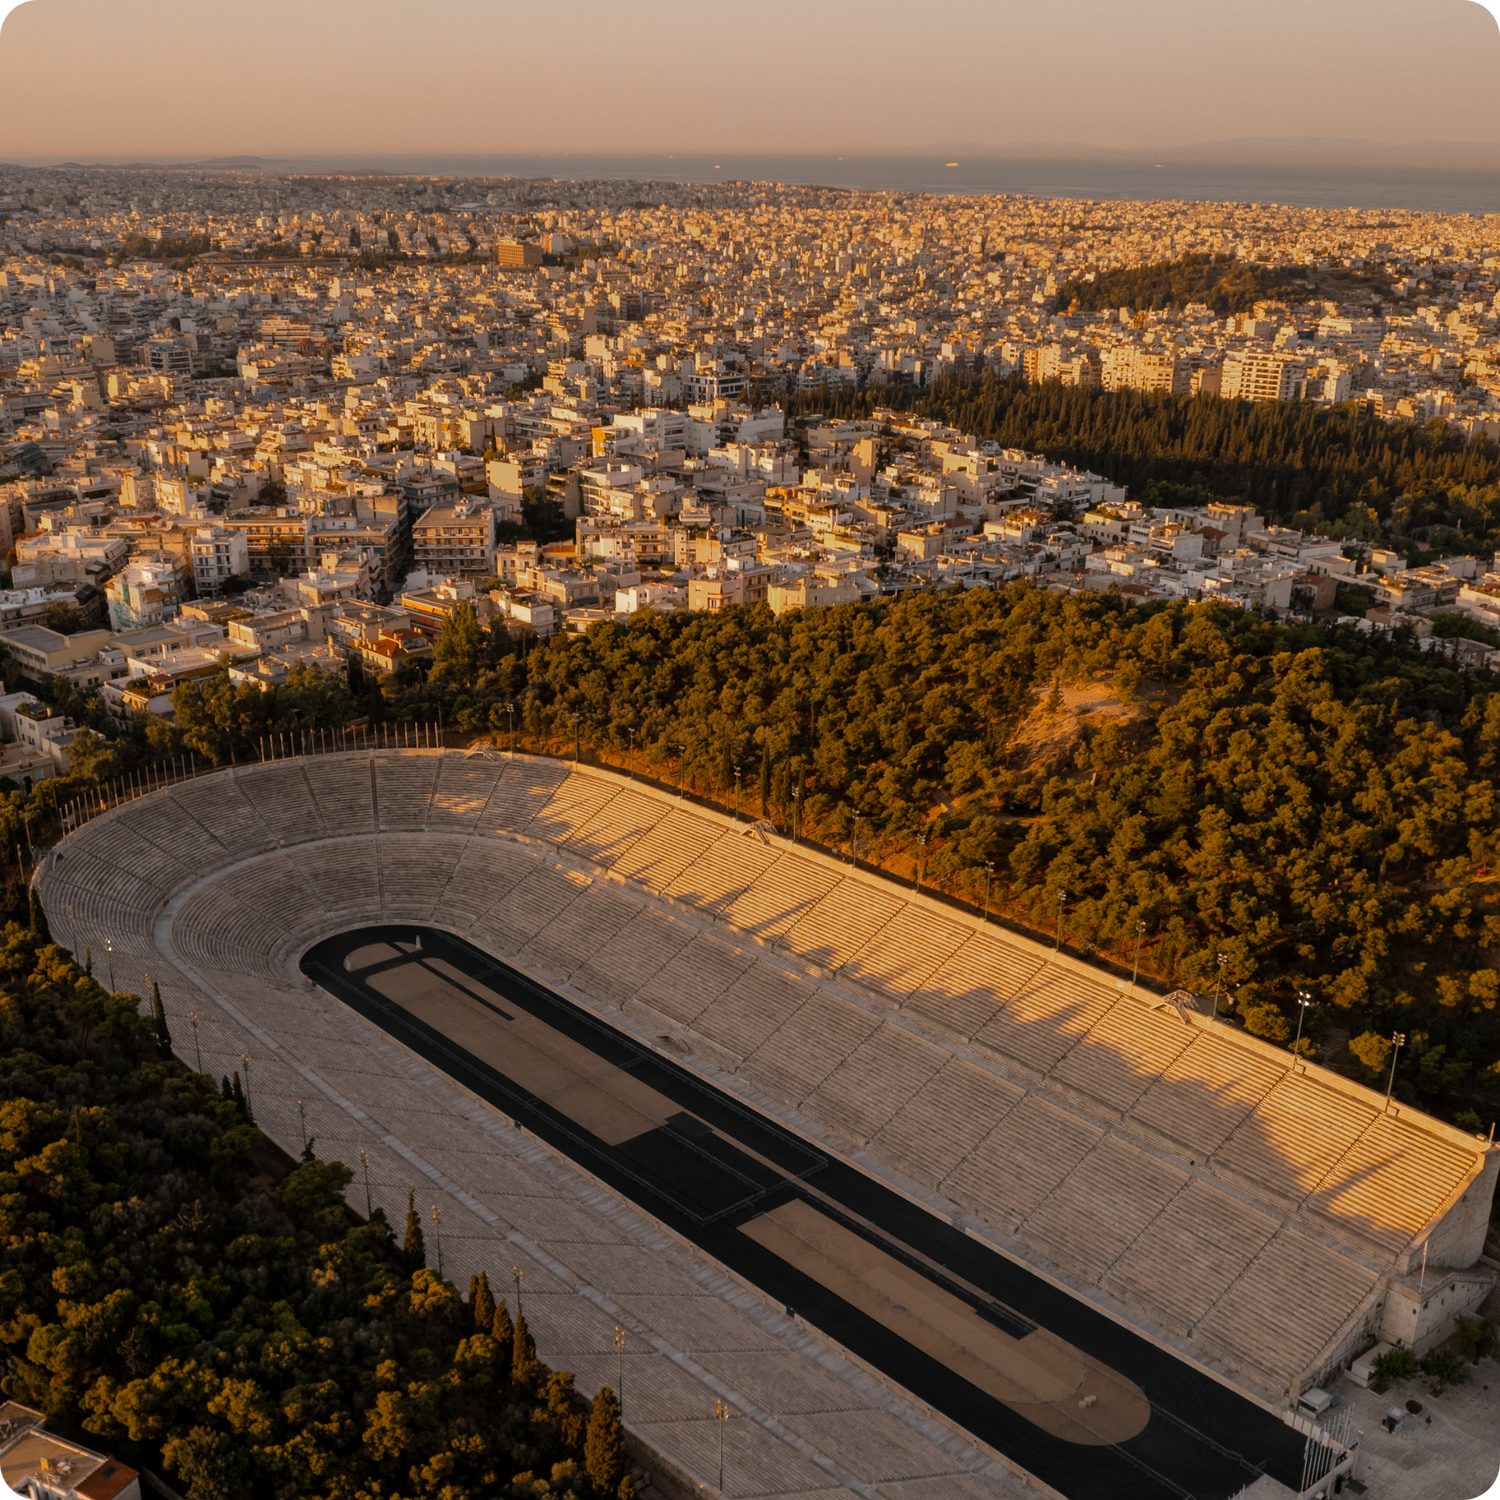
92	78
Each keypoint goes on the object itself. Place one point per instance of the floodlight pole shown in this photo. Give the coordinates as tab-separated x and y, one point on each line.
1304	999
989	871
1399	1038
1062	899
1140	932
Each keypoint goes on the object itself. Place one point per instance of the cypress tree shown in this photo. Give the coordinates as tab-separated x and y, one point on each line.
501	1329
524	1365
604	1444
159	1015
237	1092
482	1303
413	1247
224	1088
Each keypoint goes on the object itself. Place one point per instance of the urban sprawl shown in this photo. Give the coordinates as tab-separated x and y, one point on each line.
260	420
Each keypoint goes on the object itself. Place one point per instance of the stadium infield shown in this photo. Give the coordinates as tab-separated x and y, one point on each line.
999	1350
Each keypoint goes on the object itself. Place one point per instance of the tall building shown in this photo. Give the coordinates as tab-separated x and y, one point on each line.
1263	377
142	594
219	554
455	541
1129	367
511	253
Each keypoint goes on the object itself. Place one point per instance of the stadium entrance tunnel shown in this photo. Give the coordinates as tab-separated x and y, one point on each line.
1083	1403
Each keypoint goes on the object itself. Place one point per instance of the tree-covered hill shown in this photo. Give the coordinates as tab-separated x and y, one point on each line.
252	1341
1222	283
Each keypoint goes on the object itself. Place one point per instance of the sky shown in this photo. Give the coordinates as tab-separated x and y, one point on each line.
184	79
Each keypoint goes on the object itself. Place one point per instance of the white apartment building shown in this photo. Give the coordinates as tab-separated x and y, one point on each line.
219	554
142	594
1263	377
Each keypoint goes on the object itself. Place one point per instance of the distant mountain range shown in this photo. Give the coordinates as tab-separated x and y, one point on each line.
1272	151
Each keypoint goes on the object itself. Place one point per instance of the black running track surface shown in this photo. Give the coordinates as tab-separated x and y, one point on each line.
1202	1440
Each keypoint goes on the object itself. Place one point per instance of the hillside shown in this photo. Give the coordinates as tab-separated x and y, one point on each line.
1223	285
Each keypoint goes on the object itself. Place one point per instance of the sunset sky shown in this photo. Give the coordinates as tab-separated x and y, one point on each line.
112	78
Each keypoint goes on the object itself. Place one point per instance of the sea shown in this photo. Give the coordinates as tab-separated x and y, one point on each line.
1425	189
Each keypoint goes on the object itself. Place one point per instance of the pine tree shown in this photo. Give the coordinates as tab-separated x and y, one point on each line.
482	1302
159	1015
502	1330
524	1365
413	1247
604	1444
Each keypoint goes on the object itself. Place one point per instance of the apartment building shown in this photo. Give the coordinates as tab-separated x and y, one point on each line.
219	554
1263	377
455	541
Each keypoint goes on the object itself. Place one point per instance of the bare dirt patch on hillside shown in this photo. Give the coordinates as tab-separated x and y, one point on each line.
1043	744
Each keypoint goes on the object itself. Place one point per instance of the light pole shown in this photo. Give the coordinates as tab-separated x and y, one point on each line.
721	1411
437	1234
1223	959
1304	999
520	1276
1399	1038
510	708
737	771
630	759
681	761
302	1121
364	1157
109	949
989	871
921	851
197	1050
1140	932
854	843
620	1368
1062	897
796	811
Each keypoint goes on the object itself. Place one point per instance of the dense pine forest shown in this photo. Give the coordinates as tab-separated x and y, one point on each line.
1331	469
170	1290
1221	283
